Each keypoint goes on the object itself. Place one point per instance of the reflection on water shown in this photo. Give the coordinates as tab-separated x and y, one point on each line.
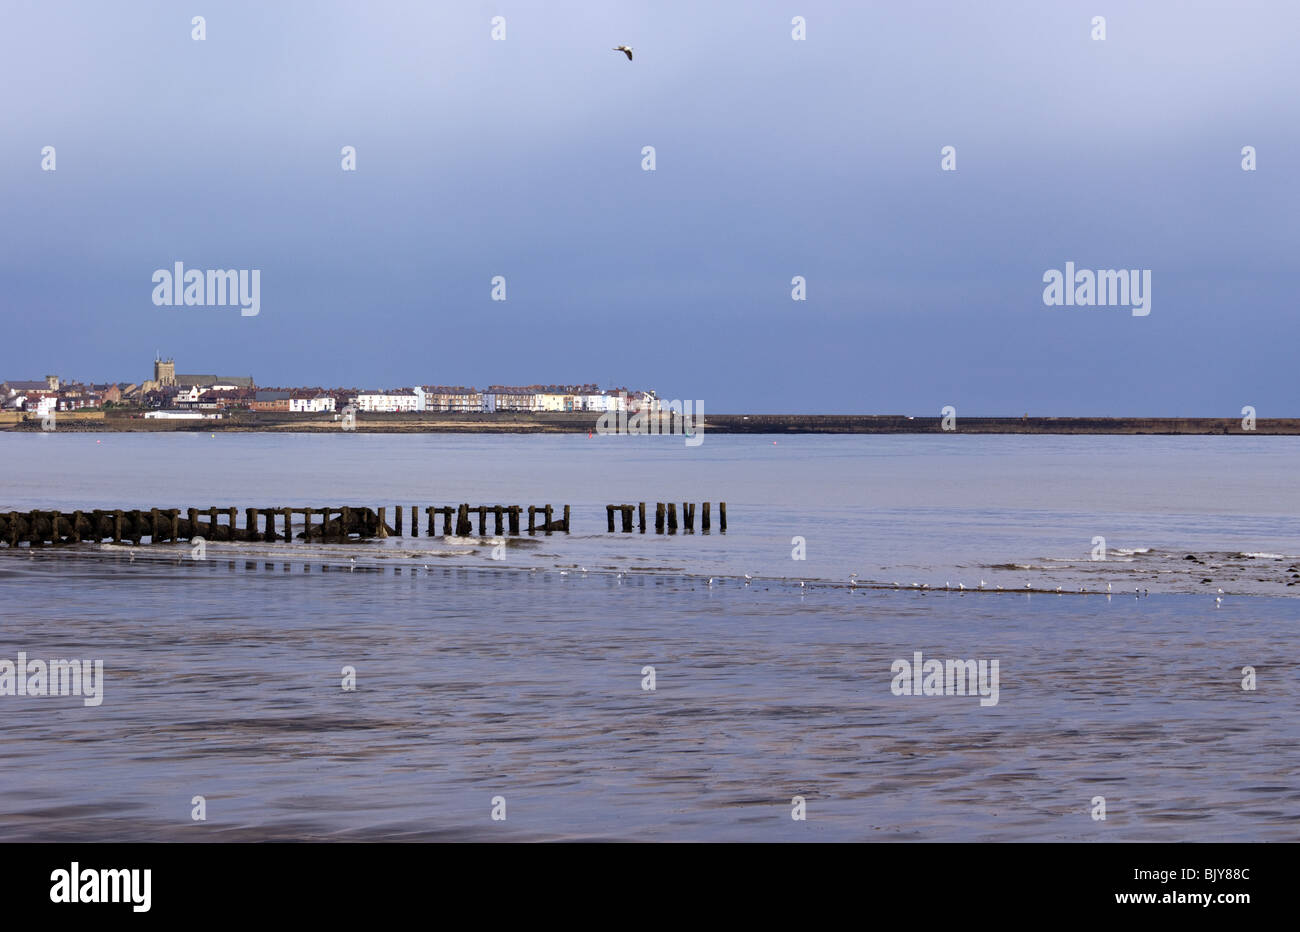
924	508
223	679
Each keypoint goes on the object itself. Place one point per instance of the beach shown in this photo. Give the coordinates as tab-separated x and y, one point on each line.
524	678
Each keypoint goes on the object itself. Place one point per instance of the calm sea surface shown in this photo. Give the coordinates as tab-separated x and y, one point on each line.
522	678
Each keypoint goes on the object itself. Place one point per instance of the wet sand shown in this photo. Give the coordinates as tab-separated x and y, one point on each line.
223	680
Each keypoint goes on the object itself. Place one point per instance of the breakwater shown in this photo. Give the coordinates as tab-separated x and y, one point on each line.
327	523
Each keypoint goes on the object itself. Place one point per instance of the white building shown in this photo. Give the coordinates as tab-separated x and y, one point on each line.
182	416
400	400
309	404
602	402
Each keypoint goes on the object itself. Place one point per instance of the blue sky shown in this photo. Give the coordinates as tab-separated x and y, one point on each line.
775	158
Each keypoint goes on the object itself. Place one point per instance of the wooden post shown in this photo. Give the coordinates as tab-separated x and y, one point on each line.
193	515
175	532
446	521
722	517
117	527
345	522
76	527
250	524
415	520
234	519
306	525
548	519
212	523
659	517
324	522
13	529
270	525
463	524
626	513
688	516
672	517
609	518
482	521
288	525
641	515
704	518
383	532
497	525
532	519
397	527
566	519
153	525
514	519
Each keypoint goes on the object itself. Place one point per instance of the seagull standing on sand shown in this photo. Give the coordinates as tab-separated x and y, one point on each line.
626	50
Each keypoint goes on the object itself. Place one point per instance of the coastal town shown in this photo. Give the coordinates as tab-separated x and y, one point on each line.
172	395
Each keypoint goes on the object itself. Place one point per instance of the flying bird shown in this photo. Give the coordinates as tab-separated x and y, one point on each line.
624	49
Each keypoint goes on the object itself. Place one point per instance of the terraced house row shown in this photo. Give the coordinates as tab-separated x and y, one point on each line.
170	393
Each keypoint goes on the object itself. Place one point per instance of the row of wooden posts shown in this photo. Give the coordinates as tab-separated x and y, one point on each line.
666	517
339	523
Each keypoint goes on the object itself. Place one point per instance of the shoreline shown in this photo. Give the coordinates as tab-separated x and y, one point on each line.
585	422
1203	573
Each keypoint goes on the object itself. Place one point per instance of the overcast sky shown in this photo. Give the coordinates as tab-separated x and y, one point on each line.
774	158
